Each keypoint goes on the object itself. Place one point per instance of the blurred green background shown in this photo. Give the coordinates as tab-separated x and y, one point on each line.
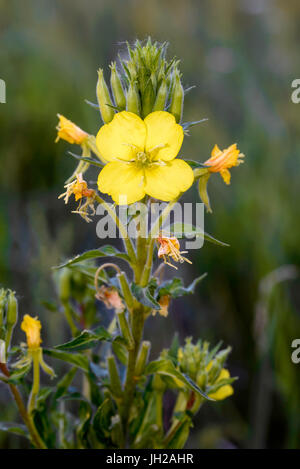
242	56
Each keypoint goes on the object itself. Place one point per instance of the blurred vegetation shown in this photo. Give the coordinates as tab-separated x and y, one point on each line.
242	56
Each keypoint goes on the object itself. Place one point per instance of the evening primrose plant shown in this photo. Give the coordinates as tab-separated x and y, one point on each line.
110	393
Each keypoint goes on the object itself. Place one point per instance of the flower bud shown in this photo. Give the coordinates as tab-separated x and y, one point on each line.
161	97
64	285
148	99
117	88
12	309
133	103
104	99
177	97
2	311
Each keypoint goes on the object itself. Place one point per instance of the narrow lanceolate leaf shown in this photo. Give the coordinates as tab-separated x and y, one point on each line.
105	251
76	359
167	368
175	287
87	339
64	384
16	428
186	230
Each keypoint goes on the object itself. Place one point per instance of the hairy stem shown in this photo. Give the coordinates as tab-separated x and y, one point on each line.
35	437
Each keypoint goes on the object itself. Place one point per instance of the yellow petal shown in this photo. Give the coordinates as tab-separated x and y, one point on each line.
224	391
164	136
122	137
124	182
215	151
166	182
225	175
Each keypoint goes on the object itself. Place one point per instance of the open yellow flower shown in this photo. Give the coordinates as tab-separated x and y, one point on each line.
220	161
141	158
69	131
32	328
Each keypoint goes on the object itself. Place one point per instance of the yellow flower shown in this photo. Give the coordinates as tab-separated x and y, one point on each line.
69	131
170	247
32	328
224	391
141	158
220	161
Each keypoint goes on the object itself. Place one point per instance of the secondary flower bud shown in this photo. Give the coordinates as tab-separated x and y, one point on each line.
12	309
161	97
133	103
177	97
117	88
104	99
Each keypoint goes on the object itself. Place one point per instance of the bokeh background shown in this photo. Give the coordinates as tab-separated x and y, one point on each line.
242	57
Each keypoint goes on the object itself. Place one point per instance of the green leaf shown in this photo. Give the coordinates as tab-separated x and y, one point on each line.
102	421
175	287
144	296
16	428
119	347
87	160
19	373
76	359
105	251
195	164
181	230
87	339
64	383
167	368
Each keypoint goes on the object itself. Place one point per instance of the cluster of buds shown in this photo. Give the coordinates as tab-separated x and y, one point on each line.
206	368
146	82
8	319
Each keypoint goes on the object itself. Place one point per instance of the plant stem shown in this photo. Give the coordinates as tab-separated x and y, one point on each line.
35	437
121	227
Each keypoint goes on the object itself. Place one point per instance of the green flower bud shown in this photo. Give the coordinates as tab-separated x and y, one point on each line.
11	316
133	103
161	97
148	99
117	88
2	311
64	285
12	309
104	99
177	98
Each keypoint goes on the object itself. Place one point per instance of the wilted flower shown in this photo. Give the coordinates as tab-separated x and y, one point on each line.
221	160
80	190
164	302
110	298
69	131
141	158
32	328
169	247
